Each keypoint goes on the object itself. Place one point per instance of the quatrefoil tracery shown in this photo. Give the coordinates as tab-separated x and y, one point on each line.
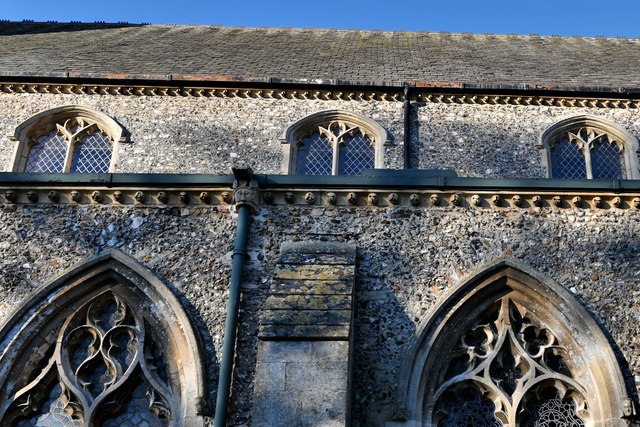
507	358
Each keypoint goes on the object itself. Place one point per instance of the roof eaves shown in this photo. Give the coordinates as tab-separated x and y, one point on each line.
208	80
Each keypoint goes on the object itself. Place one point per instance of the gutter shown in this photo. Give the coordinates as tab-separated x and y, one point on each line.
181	81
374	178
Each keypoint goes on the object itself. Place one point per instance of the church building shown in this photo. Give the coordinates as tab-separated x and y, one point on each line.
224	226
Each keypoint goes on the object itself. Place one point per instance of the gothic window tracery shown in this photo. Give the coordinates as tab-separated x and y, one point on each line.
507	366
103	359
587	147
337	149
509	348
67	139
333	143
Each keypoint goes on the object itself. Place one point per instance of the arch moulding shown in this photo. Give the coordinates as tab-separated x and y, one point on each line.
617	134
308	124
40	123
39	337
594	369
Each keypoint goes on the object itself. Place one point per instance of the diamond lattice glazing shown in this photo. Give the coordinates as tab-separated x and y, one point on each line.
356	155
606	161
567	162
48	154
93	154
315	156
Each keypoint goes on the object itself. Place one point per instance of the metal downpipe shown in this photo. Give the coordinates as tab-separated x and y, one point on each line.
245	203
407	127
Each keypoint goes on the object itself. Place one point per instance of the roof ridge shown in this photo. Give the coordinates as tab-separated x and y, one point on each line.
103	24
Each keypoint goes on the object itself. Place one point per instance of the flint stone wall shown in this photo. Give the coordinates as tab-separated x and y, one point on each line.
211	135
406	259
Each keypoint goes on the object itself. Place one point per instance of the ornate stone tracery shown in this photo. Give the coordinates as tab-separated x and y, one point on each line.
508	347
106	366
70	138
505	360
94	349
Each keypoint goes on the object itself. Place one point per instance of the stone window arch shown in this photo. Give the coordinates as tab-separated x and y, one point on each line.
106	344
510	348
72	138
588	147
333	142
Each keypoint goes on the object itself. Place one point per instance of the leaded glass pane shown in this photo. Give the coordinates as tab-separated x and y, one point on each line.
51	414
100	346
606	161
567	162
554	413
137	412
356	155
315	156
48	154
469	409
92	154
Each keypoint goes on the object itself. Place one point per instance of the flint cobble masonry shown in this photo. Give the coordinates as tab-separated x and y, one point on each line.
211	135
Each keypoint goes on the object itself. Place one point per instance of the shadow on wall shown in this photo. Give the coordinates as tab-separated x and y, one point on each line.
193	144
382	330
476	149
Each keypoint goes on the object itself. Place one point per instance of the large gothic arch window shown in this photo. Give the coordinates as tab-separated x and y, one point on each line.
107	344
509	348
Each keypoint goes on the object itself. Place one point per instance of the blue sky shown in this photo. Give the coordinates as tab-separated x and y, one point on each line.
546	17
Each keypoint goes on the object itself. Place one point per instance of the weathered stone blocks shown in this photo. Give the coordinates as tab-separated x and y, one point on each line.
303	362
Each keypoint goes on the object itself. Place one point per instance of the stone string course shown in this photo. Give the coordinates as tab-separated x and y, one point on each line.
372	198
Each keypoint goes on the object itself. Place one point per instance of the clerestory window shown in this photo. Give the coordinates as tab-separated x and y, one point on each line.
67	139
333	143
586	147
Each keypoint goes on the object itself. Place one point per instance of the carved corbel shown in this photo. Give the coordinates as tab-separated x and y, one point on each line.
10	195
139	196
32	196
246	195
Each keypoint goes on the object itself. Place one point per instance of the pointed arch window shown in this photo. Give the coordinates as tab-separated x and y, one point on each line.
105	345
67	139
333	142
510	349
587	147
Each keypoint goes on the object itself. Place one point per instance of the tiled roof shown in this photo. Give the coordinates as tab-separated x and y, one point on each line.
66	49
